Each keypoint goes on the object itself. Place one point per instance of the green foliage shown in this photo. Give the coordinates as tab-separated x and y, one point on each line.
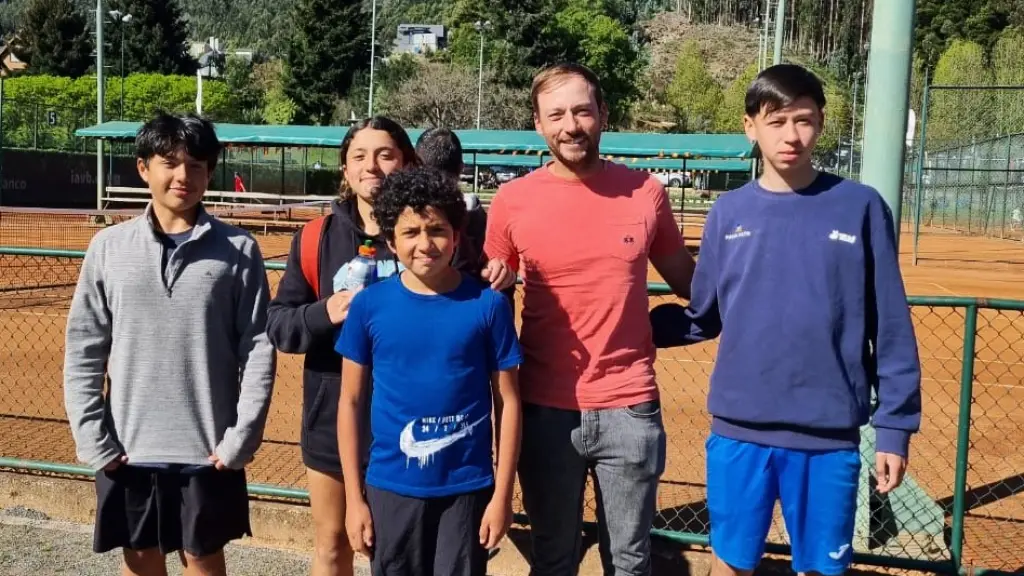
56	38
693	93
239	79
958	116
1008	69
580	33
329	44
940	22
155	40
29	100
729	115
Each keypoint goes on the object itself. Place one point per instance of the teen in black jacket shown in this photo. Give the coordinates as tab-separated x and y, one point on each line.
299	323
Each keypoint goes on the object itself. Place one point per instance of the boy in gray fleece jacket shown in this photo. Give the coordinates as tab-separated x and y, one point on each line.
170	313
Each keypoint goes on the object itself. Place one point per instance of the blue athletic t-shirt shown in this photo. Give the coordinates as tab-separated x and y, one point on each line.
432	357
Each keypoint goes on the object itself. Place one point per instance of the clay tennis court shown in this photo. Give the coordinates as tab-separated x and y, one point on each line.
35	293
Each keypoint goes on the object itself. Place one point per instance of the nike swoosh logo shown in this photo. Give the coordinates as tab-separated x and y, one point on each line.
424	450
839	553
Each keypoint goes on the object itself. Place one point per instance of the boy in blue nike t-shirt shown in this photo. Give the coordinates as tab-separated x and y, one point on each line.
441	347
799	273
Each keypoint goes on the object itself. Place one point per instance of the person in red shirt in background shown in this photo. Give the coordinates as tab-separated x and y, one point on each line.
590	399
239	185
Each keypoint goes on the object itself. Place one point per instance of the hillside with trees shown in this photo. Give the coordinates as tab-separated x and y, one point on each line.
667	65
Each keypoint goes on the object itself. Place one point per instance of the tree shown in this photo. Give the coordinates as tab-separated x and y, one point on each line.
958	116
693	93
155	40
442	94
1008	69
56	38
580	33
329	44
729	115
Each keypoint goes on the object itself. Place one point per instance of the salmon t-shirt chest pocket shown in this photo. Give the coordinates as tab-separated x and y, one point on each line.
592	249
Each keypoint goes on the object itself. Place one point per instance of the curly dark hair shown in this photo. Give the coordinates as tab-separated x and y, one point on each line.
417	187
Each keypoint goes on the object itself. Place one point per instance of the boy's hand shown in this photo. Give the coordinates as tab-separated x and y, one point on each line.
359	526
337	306
890	469
116	463
498	273
496	521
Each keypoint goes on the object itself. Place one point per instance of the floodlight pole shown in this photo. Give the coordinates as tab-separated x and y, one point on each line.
99	102
373	54
780	31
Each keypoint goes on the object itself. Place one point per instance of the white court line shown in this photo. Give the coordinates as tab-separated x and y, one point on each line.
943	288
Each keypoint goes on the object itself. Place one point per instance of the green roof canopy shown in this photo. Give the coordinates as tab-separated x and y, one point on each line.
623	144
651	164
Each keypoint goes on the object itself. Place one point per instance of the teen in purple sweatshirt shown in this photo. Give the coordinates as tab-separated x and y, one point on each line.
798	272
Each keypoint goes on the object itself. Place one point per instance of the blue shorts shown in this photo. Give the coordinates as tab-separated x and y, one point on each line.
818	492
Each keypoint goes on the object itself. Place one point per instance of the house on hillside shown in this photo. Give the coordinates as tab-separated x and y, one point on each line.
9	62
420	39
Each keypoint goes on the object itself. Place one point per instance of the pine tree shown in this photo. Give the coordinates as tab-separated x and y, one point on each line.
155	40
56	38
331	41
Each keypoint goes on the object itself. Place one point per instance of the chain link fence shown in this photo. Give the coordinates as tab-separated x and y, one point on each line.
32	123
969	162
962	503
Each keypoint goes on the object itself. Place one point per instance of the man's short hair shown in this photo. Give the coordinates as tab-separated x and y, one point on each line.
779	86
440	148
417	187
166	134
559	73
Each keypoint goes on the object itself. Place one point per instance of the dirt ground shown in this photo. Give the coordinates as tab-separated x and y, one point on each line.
35	292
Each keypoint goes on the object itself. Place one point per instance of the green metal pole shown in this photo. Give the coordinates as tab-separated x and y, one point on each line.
919	179
888	92
99	104
780	30
1006	184
963	435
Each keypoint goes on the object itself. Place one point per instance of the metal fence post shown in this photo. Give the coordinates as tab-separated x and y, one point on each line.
963	436
1006	184
919	184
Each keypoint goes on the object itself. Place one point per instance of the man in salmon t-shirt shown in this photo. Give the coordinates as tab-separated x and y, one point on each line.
580	231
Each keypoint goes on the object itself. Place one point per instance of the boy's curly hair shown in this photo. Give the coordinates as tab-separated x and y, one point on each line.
417	187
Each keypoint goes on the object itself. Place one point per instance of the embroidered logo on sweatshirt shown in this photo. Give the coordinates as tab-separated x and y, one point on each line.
739	232
837	236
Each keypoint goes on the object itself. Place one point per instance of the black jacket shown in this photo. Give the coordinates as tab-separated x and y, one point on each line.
298	324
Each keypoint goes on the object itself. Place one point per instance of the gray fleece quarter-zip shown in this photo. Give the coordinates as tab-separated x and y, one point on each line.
183	347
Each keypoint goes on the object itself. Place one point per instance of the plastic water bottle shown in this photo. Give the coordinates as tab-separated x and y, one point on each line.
362	270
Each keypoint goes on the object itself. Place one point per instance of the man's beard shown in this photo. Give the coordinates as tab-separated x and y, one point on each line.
582	158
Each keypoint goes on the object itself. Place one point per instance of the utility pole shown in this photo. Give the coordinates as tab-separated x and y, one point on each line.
100	16
780	30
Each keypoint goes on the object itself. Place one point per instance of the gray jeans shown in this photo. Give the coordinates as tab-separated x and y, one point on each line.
625	449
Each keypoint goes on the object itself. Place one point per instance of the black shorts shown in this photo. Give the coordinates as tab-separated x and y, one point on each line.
142	508
426	536
319	439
